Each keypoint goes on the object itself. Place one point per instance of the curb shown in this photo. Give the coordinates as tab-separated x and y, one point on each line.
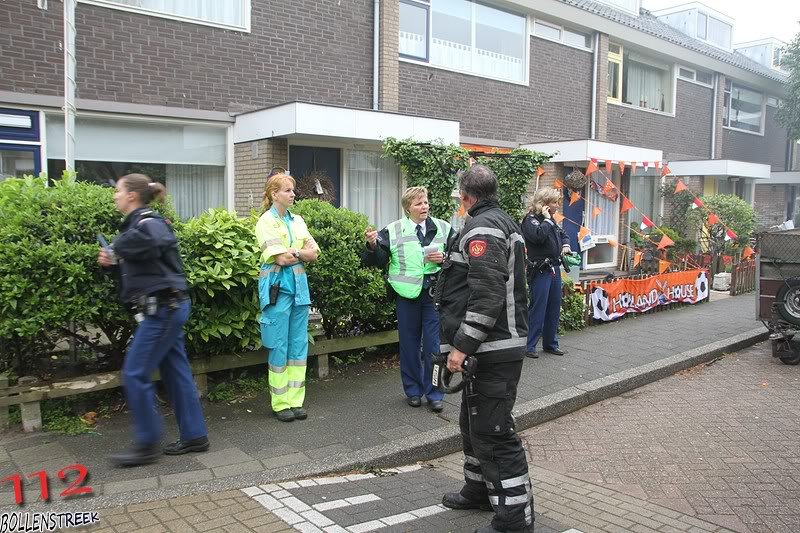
442	441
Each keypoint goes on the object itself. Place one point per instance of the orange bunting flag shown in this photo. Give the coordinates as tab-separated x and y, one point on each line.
558	217
637	258
621	168
665	241
558	184
663	266
713	219
627	205
748	252
646	223
591	168
613	243
608	186
596	211
680	186
583	232
633	167
539	171
574	197
730	235
658	165
665	171
609	167
697	203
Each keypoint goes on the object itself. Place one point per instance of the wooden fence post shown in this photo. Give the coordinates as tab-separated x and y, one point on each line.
3	410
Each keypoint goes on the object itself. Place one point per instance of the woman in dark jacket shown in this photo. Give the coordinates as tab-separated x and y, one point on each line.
151	279
546	242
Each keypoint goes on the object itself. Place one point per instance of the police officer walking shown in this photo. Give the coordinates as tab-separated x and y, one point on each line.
150	273
482	299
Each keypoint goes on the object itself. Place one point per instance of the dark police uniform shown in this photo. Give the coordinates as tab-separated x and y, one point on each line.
151	277
483	313
544	240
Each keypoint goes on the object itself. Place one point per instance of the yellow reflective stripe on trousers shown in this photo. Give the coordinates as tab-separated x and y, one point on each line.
288	387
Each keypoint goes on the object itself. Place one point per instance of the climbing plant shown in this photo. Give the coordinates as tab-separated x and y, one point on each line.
430	165
514	172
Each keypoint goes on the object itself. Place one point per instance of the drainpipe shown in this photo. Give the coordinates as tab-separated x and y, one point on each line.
376	49
714	117
593	132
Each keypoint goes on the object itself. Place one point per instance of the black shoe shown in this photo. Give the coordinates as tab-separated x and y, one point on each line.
491	529
299	413
413	401
138	454
532	355
436	405
454	500
556	351
179	447
287	415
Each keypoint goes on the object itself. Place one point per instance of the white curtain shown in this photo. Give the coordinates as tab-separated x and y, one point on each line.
195	188
230	12
643	195
645	87
606	222
373	187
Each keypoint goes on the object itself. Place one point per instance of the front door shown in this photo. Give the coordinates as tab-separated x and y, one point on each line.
303	160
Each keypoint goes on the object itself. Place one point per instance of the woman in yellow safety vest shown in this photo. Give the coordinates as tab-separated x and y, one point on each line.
413	249
286	245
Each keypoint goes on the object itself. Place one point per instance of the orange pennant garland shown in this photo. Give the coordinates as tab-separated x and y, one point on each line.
539	171
713	219
663	266
680	186
574	197
583	232
637	258
596	211
621	168
665	241
558	217
591	168
627	205
665	171
633	167
558	184
609	167
748	252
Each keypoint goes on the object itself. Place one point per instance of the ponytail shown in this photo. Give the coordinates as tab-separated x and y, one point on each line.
149	191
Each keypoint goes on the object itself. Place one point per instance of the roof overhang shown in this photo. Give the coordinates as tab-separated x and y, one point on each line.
304	120
584	150
784	178
720	168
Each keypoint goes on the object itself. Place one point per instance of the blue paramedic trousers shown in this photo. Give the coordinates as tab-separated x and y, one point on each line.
158	343
544	310
418	326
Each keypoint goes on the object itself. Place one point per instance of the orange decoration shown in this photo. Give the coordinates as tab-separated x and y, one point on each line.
613	243
663	266
713	219
558	184
558	217
680	186
596	211
621	168
608	187
539	171
637	258
627	205
609	167
748	252
591	168
574	197
633	167
665	170
665	241
583	232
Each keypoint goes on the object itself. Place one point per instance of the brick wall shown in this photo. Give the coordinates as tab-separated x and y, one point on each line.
601	118
556	105
389	70
685	136
252	162
299	50
769	149
770	205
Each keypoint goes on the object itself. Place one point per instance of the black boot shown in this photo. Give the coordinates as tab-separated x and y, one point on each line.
490	529
180	447
138	454
454	500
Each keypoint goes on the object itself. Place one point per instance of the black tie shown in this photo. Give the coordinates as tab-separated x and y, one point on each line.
420	235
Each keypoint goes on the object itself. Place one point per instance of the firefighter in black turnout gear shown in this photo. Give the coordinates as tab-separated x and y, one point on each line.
483	306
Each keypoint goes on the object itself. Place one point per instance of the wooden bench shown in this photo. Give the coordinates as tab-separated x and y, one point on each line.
30	395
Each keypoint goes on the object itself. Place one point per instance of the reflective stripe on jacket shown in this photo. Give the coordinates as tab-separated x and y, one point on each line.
407	267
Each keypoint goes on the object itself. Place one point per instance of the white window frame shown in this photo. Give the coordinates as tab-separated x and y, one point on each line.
617	59
561	30
161	14
616	178
780	52
730	100
693	79
673	78
773	101
527	48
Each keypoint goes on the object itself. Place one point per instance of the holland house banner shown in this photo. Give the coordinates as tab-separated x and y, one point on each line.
611	300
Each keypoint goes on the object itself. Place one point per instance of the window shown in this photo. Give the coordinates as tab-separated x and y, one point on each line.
555	32
773	101
646	83
604	226
189	159
719	33
373	187
699	76
17	161
231	14
615	73
777	57
744	109
643	192
414	30
466	36
702	25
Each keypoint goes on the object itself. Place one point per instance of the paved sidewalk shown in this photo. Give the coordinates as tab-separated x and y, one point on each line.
362	420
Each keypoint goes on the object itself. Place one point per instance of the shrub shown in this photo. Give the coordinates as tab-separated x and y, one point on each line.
351	298
514	175
572	307
733	212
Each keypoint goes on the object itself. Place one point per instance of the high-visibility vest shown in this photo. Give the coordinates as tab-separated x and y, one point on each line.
407	267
